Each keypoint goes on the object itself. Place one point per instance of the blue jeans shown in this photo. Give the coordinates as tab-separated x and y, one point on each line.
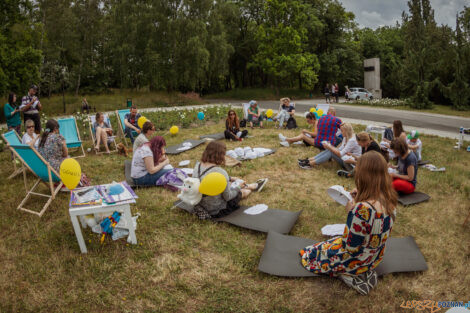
128	132
150	179
323	157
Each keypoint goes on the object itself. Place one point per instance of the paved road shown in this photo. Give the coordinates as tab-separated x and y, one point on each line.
442	125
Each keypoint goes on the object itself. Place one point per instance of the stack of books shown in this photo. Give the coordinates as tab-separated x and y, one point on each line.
97	195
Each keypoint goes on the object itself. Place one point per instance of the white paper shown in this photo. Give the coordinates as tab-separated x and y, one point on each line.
188	171
183	148
257	209
187	144
184	163
392	170
168	167
347	157
333	230
338	194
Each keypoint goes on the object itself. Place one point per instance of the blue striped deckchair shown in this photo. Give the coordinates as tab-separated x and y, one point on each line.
12	138
69	129
44	172
120	117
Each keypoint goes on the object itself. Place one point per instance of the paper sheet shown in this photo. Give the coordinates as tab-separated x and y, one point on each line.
184	163
257	209
333	229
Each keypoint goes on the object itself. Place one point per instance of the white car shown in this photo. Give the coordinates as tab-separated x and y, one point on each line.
357	93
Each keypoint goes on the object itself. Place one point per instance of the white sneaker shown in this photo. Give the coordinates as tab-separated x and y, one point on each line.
284	143
282	137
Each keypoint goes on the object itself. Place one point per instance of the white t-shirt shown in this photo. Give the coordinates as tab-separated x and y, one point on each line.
27	139
419	149
350	147
138	168
139	141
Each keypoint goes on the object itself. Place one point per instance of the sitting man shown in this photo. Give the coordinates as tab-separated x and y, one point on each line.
327	128
130	123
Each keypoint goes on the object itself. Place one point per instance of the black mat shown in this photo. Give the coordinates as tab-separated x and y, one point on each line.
127	172
174	149
280	221
281	256
413	198
423	162
217	136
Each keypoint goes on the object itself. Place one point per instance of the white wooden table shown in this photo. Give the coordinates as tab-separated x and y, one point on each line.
123	207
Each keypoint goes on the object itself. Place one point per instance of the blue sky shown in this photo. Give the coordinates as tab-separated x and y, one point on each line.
375	13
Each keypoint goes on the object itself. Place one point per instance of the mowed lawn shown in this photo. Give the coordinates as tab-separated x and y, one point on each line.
182	264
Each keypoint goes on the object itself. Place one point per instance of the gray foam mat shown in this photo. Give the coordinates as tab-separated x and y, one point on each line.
413	198
217	136
174	149
281	256
279	221
127	172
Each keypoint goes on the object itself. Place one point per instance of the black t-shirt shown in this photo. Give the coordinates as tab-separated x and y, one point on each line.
233	130
403	165
373	146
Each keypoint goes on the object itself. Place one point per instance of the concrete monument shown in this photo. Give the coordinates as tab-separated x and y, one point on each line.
372	77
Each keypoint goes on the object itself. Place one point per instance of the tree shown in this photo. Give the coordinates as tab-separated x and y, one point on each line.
282	39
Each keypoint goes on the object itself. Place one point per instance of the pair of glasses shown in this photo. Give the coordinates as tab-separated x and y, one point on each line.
232	114
30	127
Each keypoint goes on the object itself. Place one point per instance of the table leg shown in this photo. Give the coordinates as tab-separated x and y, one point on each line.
78	233
128	217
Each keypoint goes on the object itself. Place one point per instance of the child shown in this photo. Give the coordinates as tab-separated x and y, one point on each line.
415	144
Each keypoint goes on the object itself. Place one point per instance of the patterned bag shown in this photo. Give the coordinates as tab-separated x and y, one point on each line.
172	179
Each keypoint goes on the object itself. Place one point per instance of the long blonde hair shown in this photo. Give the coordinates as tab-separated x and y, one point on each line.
374	183
347	131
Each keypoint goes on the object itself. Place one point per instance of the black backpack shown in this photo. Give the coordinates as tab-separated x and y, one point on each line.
243	123
291	123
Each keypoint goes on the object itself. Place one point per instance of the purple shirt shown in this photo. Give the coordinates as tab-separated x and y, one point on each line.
327	127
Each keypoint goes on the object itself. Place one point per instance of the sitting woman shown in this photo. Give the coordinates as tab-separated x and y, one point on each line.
286	110
254	116
307	136
343	154
30	137
228	201
149	161
148	129
398	132
232	127
103	132
405	180
367	144
52	145
371	214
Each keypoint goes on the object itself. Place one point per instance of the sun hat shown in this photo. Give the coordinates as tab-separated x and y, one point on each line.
413	135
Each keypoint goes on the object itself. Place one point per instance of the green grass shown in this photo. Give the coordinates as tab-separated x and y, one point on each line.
260	94
182	264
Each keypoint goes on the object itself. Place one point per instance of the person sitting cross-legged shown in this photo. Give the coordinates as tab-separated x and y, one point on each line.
327	127
286	110
307	136
232	127
404	181
354	256
148	129
343	154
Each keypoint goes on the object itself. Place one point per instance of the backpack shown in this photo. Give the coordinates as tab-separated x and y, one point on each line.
243	123
291	123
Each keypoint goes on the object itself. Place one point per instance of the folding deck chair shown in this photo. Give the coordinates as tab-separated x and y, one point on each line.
91	122
12	138
120	114
45	173
69	129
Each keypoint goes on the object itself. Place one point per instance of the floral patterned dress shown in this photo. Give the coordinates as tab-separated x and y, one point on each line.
359	250
52	150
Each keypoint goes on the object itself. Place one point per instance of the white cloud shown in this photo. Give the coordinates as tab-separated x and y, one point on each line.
376	13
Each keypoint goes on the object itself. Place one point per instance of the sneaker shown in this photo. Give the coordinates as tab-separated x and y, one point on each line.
305	166
305	161
284	143
342	173
372	279
357	283
261	183
282	137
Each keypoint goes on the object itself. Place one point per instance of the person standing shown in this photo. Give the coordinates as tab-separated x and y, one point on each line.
327	93
12	113
30	106
336	92
333	94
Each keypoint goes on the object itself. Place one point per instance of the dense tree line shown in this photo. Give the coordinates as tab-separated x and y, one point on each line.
210	46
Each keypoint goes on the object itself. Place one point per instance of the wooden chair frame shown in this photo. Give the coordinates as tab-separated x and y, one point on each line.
16	170
50	184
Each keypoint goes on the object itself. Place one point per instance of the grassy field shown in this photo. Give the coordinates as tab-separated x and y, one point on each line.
182	264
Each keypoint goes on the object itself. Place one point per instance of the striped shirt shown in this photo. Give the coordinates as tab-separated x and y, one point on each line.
328	125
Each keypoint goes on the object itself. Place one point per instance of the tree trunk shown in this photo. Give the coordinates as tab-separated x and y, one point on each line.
79	77
300	81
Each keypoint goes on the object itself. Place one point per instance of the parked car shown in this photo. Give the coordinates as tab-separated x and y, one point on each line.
357	93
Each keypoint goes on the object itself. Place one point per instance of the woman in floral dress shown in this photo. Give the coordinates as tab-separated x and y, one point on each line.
52	145
354	256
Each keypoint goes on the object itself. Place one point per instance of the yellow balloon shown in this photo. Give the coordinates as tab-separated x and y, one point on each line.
269	113
141	121
320	112
70	173
312	110
213	184
174	129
